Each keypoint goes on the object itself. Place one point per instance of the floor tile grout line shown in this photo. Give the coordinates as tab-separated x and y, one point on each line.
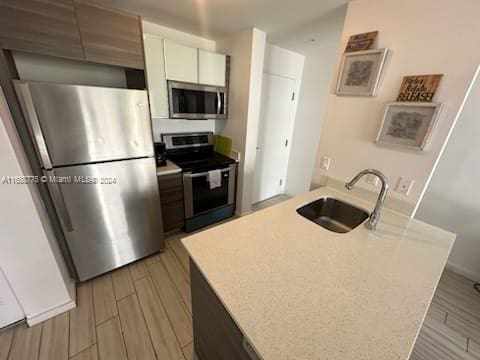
94	318
123	334
176	289
145	321
40	342
163	306
180	262
70	322
467	321
191	342
456	313
11	343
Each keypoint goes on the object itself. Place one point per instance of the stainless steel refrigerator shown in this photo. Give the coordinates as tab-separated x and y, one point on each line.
96	150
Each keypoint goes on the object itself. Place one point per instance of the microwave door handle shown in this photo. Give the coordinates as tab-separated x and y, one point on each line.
59	202
219	102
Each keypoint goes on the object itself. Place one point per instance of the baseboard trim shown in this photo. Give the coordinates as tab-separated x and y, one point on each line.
463	271
45	315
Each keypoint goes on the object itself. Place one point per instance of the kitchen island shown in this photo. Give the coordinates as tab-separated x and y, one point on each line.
274	285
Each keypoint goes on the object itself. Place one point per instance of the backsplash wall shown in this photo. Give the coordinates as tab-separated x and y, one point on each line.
165	126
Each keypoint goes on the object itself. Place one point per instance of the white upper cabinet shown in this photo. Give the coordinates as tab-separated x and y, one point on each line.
156	80
211	68
181	62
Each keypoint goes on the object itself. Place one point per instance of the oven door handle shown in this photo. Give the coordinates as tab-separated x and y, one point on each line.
190	175
219	102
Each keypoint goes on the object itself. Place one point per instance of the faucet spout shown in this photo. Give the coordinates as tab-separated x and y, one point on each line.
372	222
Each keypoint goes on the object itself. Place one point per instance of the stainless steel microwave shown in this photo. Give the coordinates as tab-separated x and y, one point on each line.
195	101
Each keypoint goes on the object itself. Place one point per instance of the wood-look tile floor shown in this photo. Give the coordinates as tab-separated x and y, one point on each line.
143	311
451	330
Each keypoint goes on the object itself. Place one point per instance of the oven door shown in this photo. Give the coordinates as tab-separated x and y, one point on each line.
198	196
193	101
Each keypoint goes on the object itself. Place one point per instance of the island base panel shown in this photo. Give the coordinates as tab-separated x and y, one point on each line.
216	336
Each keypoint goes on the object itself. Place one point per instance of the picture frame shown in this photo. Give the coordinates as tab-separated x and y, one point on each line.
408	125
360	72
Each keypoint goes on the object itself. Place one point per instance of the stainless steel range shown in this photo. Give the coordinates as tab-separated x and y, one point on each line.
209	178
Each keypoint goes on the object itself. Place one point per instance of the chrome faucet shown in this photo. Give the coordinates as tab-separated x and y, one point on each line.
371	224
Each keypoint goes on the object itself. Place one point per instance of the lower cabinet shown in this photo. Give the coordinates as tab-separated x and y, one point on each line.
215	334
171	198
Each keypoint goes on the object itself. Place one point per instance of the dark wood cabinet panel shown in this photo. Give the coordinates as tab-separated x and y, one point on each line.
216	336
110	36
171	198
46	27
173	216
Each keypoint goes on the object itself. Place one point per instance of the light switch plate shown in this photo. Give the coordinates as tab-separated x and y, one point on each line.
325	162
404	186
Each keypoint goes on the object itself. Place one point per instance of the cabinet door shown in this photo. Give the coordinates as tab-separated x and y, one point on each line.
171	195
211	68
156	81
42	27
181	62
110	36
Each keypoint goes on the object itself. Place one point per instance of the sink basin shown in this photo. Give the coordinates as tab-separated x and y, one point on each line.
333	214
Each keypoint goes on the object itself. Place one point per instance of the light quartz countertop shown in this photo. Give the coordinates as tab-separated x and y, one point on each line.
168	169
299	291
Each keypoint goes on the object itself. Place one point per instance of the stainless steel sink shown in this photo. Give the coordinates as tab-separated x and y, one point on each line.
333	214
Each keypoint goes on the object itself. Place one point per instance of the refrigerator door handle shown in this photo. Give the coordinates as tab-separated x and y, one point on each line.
59	201
34	124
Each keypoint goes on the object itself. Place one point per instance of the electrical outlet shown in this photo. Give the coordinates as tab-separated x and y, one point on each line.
325	162
404	186
372	179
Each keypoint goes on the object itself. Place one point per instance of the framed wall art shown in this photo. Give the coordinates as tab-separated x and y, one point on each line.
360	72
408	124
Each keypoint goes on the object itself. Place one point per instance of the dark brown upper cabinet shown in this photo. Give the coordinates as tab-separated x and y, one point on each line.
46	27
110	36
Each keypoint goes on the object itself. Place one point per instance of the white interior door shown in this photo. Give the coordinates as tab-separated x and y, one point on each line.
273	137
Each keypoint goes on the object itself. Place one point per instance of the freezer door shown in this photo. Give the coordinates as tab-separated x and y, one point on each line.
110	213
77	124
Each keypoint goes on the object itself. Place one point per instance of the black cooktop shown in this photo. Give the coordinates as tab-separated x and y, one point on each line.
199	161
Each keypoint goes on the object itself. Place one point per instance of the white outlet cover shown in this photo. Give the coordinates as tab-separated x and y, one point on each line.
325	162
404	186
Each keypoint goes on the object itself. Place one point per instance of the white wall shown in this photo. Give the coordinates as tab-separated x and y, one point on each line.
288	64
452	198
48	68
29	254
163	126
247	50
425	37
320	56
10	310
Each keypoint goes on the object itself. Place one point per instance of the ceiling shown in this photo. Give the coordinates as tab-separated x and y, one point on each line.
219	18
